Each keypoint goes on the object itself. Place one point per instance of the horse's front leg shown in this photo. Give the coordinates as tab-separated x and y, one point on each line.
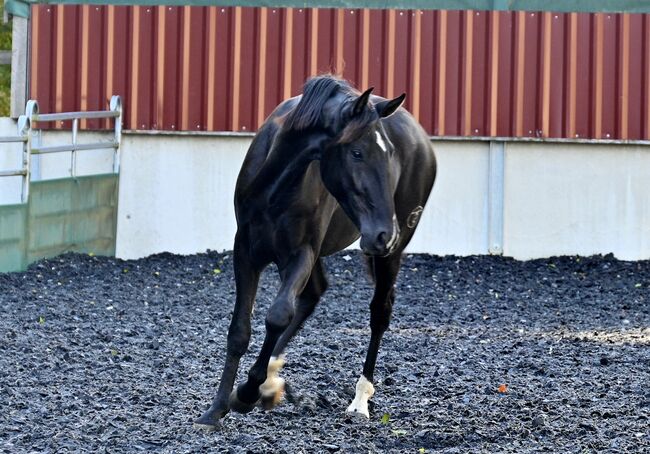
246	280
294	278
384	271
273	388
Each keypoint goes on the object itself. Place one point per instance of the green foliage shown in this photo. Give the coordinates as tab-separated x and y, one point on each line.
5	90
5	30
5	70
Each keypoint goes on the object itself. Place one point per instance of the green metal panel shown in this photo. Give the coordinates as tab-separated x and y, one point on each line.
71	214
567	6
13	238
21	7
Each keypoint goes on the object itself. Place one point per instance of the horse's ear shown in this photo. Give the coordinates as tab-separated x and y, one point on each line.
387	108
361	102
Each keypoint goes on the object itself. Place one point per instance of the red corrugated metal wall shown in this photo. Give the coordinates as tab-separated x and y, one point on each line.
466	73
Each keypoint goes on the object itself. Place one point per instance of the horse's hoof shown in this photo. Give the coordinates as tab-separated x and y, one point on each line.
209	421
357	414
207	428
271	400
239	406
364	391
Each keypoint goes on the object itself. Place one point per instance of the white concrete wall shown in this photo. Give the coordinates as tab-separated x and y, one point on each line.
176	195
11	158
57	165
565	199
454	222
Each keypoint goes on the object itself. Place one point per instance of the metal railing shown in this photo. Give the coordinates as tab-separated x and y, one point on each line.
25	136
22	137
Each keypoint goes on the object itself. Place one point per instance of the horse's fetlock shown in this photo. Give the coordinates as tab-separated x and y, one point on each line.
379	326
255	378
379	321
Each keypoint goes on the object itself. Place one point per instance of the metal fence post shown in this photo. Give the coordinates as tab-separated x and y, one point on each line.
495	197
25	130
20	44
73	156
116	106
31	111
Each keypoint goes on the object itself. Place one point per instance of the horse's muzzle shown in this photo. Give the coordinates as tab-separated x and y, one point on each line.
382	242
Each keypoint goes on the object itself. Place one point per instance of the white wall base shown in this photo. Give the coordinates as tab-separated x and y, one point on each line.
176	195
455	220
58	165
11	158
563	199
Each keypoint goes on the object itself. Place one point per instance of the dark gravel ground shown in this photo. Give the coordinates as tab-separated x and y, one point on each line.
103	355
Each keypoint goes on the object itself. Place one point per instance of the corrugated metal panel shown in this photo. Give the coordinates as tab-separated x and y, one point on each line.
467	73
21	7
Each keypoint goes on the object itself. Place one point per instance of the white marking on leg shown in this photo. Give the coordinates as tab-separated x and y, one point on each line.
380	141
273	386
365	391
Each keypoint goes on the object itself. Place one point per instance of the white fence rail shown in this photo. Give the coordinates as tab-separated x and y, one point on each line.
26	133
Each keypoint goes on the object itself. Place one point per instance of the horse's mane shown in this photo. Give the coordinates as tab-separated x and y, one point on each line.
316	92
308	113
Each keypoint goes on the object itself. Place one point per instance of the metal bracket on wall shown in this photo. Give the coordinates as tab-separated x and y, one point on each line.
495	197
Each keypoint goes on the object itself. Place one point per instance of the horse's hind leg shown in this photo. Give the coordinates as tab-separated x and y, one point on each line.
384	270
272	389
246	280
294	278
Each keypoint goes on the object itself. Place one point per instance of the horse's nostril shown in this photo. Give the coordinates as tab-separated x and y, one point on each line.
382	238
376	243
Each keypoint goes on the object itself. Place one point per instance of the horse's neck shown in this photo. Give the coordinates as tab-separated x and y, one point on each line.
282	173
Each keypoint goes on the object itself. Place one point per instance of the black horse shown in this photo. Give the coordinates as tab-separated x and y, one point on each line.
325	168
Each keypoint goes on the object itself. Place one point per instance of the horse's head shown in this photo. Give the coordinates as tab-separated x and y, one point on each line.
358	168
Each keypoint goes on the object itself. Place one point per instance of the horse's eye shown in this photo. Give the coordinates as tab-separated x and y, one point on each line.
356	154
